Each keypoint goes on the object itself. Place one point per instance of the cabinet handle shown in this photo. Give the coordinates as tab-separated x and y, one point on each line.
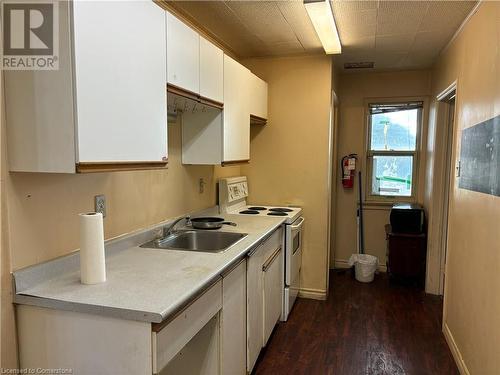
270	261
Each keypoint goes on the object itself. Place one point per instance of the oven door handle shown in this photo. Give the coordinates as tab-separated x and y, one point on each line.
299	225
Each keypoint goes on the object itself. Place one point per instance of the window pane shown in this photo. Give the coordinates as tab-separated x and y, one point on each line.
394	130
392	175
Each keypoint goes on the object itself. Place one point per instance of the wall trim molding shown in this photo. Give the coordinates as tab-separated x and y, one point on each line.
309	293
461	27
443	95
462	367
344	263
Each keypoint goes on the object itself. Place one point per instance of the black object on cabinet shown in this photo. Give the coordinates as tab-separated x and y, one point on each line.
406	256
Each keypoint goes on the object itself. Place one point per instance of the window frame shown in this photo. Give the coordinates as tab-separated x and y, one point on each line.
369	154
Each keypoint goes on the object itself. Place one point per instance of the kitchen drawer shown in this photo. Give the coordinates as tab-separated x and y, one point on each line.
169	339
272	243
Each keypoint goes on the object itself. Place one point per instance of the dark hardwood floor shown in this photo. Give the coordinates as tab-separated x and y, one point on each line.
371	329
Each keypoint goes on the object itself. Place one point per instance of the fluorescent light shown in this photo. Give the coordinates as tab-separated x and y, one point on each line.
320	13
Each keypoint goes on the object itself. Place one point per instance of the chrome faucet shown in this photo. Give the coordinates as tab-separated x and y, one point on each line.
168	229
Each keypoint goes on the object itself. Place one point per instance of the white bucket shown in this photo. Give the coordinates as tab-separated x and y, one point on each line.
365	266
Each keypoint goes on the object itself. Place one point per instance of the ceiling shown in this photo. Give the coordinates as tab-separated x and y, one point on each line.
392	34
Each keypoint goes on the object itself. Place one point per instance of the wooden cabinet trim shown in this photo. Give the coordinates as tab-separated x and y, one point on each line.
157	327
256	120
233	162
211	102
182	92
95	167
173	89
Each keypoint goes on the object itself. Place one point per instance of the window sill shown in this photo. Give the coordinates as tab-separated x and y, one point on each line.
383	204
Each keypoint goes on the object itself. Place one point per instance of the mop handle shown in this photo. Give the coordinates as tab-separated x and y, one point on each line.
361	232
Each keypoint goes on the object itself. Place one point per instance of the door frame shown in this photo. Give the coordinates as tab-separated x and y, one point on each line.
332	182
441	194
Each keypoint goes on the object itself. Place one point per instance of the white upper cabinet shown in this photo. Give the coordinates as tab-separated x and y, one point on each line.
105	108
236	116
183	55
120	81
211	71
258	98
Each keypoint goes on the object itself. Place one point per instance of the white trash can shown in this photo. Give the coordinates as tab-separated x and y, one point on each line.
365	266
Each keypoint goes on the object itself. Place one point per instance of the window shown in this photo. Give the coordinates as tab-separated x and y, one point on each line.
393	135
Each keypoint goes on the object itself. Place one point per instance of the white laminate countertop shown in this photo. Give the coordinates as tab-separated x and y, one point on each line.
143	284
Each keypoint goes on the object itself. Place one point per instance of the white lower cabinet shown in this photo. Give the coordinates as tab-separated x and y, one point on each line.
264	293
220	332
171	338
273	291
255	307
233	321
200	355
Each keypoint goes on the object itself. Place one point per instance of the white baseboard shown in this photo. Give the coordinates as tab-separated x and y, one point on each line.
455	351
317	294
344	263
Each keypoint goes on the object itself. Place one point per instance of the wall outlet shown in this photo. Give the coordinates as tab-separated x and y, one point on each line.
201	187
100	204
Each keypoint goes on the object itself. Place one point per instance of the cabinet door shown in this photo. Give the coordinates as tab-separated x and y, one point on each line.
120	78
183	55
255	300
258	97
236	129
211	71
233	321
273	297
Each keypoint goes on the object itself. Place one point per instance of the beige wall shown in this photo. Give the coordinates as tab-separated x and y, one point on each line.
41	212
354	89
472	286
289	163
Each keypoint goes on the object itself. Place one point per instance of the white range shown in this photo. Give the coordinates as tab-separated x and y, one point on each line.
233	193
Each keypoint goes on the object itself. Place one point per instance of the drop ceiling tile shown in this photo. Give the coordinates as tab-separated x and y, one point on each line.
394	43
361	43
263	19
357	24
296	16
431	40
284	48
400	17
353	5
219	20
418	60
392	33
446	14
389	60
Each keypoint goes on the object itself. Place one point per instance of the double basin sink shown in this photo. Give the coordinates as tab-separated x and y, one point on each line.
197	240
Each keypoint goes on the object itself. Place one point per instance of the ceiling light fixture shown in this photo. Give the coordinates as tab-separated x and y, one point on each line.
320	13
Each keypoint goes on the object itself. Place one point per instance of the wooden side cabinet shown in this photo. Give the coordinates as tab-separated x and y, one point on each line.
406	256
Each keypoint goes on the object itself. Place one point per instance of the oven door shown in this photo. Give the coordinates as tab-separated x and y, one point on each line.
293	261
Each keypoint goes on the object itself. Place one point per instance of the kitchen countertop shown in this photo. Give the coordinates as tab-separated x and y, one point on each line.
142	284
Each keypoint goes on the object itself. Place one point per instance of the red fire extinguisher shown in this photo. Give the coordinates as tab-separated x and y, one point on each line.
348	164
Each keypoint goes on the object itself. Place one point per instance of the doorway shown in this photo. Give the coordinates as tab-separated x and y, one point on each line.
447	105
332	170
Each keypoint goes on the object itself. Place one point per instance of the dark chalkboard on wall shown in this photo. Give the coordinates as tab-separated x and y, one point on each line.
480	158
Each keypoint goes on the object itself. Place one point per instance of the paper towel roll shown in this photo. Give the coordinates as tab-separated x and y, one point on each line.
92	259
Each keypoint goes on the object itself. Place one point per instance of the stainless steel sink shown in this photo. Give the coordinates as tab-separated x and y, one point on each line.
197	240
